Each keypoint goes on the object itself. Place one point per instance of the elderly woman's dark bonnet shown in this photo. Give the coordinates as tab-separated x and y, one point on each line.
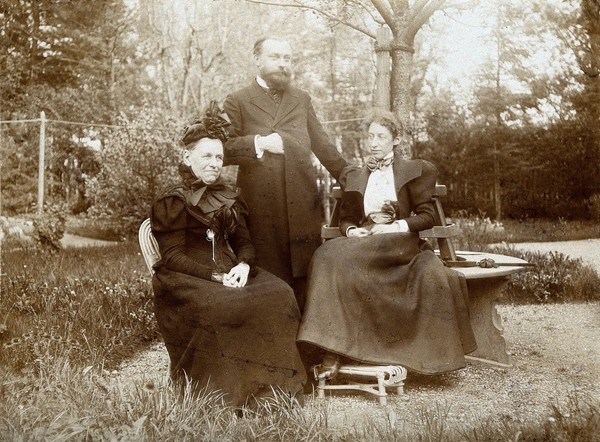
212	125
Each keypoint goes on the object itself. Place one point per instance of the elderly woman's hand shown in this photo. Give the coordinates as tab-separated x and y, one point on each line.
237	276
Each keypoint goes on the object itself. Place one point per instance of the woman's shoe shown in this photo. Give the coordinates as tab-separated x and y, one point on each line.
328	369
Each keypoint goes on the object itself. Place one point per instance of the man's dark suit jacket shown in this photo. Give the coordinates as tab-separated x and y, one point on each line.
280	190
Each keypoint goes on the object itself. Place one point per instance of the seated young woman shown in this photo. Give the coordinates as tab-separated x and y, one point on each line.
227	325
379	294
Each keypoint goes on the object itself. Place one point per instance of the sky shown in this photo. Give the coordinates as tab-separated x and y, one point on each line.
460	43
460	46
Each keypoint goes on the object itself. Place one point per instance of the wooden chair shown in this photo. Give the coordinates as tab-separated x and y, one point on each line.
390	376
442	231
148	245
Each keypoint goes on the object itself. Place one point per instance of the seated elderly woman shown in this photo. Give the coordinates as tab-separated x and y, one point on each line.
226	324
379	294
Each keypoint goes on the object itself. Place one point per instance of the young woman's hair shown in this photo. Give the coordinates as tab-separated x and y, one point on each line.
385	118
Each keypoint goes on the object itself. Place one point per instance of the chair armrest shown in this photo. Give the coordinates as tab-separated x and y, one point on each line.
328	232
448	231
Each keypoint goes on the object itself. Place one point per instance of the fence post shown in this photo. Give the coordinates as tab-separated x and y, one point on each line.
41	164
382	89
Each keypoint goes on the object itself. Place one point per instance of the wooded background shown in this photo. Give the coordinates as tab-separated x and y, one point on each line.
515	135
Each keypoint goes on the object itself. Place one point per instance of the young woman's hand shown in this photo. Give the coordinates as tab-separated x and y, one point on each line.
384	228
357	232
395	227
237	276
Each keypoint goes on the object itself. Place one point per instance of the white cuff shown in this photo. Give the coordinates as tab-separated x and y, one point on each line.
350	228
403	225
259	150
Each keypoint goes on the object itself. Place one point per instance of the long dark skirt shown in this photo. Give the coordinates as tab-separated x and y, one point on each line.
240	341
385	299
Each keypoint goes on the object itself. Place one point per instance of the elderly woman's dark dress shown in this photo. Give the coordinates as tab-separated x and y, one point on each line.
387	298
240	341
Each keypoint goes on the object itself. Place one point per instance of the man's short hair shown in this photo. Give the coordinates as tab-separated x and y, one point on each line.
386	119
258	44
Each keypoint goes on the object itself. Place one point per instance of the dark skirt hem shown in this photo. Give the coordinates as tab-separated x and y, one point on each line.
383	299
239	341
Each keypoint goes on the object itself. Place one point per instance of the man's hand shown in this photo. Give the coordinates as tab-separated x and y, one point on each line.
271	143
237	276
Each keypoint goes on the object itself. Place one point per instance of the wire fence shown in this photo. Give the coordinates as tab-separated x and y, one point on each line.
74	123
324	182
117	126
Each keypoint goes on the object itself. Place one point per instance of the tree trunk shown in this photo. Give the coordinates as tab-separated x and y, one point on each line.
402	61
33	50
187	62
383	83
165	63
404	20
112	80
498	121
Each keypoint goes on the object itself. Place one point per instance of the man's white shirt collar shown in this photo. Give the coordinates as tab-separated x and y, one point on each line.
262	83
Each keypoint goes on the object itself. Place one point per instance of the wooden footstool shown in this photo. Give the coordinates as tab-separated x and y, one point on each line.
385	376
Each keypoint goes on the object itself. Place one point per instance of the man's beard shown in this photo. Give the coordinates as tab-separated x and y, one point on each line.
278	81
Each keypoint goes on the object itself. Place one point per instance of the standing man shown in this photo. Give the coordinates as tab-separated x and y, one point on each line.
274	130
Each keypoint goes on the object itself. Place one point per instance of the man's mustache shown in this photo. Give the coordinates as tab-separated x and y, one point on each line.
285	72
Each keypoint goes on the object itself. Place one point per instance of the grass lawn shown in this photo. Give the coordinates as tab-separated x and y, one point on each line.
69	317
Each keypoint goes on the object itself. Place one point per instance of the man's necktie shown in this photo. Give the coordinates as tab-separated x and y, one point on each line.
274	95
374	164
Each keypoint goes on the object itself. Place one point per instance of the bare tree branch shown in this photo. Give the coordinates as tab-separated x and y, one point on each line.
386	13
415	10
422	17
320	11
576	53
462	5
213	59
361	5
399	7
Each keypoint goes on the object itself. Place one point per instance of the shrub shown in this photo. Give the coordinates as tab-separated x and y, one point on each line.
105	229
19	171
477	231
137	162
49	227
559	229
555	278
594	205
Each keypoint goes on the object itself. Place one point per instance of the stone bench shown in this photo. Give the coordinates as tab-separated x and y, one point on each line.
486	286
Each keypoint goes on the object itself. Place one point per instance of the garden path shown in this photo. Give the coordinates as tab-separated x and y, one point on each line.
69	240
